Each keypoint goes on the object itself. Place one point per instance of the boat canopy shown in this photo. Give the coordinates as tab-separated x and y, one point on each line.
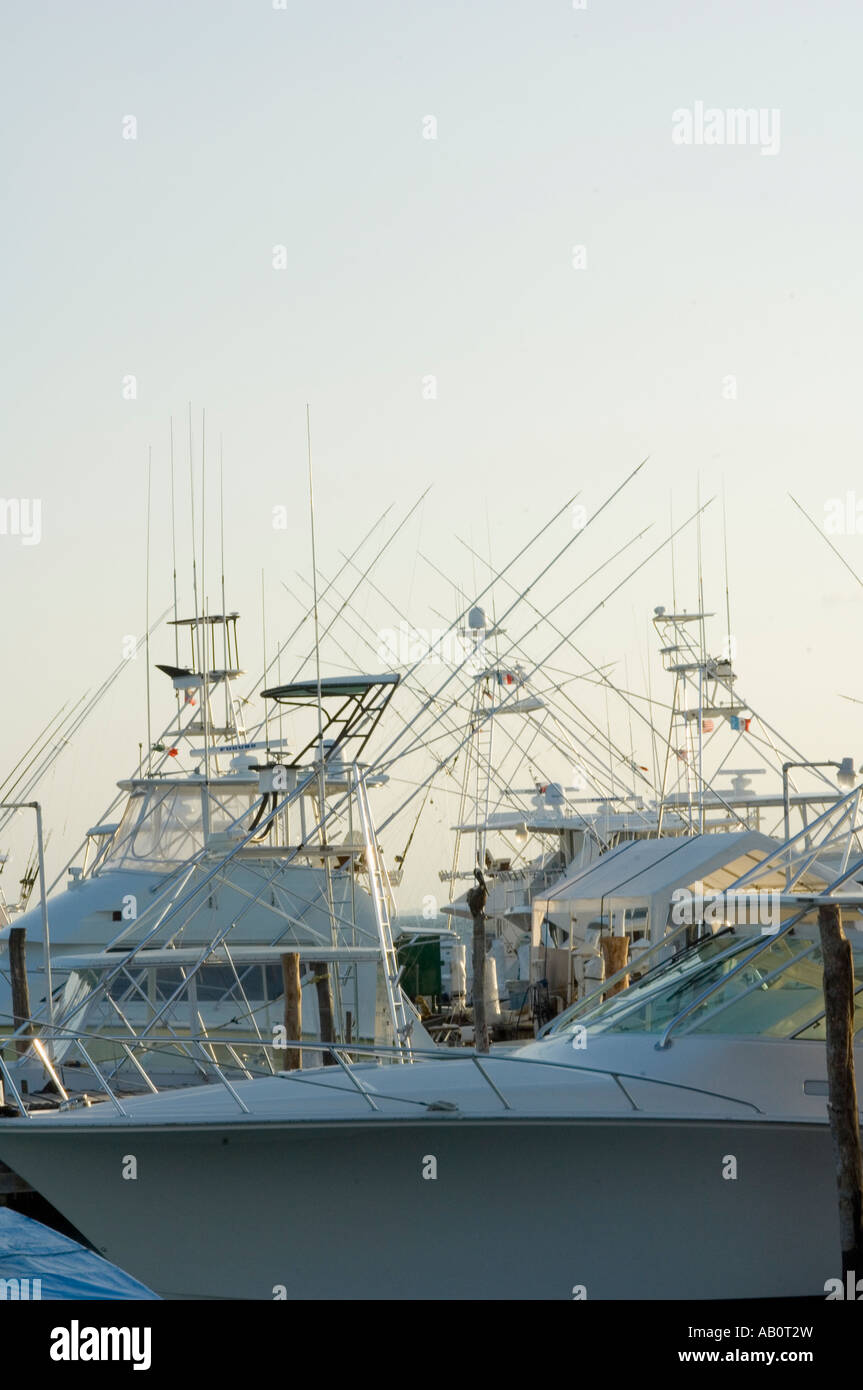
641	874
334	686
345	728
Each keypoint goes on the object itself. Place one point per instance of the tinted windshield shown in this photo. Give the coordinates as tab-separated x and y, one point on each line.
751	988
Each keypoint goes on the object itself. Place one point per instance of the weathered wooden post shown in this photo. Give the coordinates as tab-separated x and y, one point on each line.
838	964
324	987
615	953
293	1009
20	987
476	901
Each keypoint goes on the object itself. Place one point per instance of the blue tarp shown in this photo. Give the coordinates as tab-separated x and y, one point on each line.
31	1251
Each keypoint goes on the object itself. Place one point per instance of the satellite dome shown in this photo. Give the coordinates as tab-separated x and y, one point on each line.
476	618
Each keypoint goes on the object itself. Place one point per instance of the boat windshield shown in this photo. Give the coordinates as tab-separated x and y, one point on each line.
163	826
777	993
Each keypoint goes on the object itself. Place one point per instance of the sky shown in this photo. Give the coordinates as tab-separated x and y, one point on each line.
466	237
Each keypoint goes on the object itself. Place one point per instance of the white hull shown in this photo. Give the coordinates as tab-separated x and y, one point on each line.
316	1193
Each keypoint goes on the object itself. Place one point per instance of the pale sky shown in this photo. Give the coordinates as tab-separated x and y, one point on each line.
408	258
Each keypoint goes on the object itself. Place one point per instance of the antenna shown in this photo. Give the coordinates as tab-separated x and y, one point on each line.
174	554
315	599
332	973
147	606
702	660
264	633
673	570
224	606
194	543
205	688
725	553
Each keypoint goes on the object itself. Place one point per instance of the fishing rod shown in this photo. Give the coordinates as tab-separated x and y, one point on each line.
306	616
42	741
444	714
387	543
420	694
510	698
101	691
432	698
568	733
546	618
573	539
604	680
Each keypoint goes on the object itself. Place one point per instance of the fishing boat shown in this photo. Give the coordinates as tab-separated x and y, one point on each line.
674	1136
575	868
178	922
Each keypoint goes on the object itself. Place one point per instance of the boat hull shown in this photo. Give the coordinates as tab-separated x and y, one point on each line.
531	1208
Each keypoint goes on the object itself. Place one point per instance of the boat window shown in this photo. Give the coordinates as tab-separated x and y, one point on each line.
775	994
164	827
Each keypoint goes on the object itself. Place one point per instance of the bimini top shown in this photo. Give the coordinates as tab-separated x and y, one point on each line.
343	687
350	725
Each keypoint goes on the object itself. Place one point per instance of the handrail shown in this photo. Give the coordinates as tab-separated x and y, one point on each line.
450	1055
9	1081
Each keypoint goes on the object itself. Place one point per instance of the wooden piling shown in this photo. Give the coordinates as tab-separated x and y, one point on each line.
842	1110
324	987
293	1009
615	953
20	988
480	1017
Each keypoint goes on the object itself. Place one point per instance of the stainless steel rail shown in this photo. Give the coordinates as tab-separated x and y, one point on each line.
348	1057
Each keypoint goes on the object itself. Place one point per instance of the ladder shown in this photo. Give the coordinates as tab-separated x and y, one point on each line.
381	892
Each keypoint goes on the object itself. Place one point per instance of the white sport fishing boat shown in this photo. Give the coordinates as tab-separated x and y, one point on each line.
674	1136
176	925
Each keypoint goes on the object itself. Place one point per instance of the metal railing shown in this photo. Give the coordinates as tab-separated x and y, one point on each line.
351	1058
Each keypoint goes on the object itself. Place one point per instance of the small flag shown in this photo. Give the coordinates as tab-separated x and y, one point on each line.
707	726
